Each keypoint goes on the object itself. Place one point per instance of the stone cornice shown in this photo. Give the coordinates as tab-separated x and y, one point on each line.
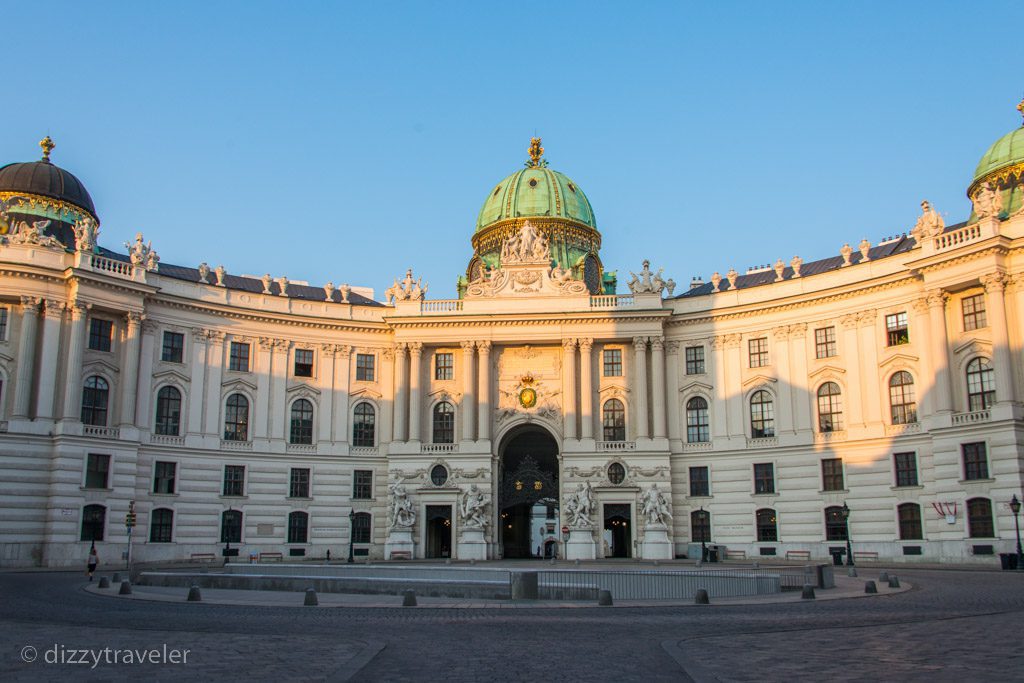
370	326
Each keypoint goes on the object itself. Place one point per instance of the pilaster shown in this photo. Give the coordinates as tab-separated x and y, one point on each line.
483	423
53	314
586	388
26	355
569	388
640	386
72	410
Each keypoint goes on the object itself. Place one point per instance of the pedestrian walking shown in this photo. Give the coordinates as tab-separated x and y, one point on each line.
93	560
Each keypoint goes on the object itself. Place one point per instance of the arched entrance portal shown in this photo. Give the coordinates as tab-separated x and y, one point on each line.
528	494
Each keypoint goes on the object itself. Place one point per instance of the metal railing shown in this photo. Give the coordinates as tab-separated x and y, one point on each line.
579	584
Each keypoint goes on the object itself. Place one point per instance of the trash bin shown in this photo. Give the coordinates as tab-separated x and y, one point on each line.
1008	561
837	557
713	555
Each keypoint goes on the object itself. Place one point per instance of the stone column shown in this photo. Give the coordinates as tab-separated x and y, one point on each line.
720	408
995	286
939	349
401	395
279	392
73	370
53	314
569	388
872	398
586	389
342	374
784	416
415	391
130	368
325	411
925	392
672	400
483	422
640	385
26	355
852	404
798	357
468	402
387	383
264	372
196	382
658	386
144	387
733	375
214	372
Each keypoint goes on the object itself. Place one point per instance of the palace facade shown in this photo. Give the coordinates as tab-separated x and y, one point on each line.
873	396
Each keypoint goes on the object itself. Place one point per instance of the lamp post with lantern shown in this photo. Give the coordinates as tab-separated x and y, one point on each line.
351	534
1015	509
846	521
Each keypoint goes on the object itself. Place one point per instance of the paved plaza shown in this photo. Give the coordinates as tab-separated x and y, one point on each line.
951	625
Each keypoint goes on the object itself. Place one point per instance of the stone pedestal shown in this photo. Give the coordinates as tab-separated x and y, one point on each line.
399	543
580	545
472	545
656	545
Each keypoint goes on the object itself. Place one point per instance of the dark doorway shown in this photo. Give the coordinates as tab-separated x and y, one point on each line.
528	494
439	531
617	532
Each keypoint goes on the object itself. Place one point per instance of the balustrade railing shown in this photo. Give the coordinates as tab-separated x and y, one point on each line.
958	237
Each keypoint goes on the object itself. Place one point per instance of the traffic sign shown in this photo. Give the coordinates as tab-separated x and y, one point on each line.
565	529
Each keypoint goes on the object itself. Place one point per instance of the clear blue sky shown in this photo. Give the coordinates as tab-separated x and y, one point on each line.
347	142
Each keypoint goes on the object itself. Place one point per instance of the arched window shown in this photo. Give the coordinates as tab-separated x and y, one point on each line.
302	422
697	425
298	527
902	401
444	423
168	411
762	415
700	526
94	518
363	425
835	524
161	522
979	518
231	526
767	529
981	385
910	521
236	418
95	395
361	527
830	407
613	417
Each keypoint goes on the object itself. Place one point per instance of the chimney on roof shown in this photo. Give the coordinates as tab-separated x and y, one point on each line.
696	282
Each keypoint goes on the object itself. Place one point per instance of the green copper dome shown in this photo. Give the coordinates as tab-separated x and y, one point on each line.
536	192
1006	151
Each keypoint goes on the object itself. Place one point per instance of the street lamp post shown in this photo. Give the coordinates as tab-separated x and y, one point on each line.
351	533
703	538
1015	509
227	534
849	547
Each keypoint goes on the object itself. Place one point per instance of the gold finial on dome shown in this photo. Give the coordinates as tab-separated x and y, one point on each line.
1020	108
536	153
47	145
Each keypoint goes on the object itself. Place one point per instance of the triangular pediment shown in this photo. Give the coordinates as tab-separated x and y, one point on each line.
613	390
696	386
899	358
973	346
759	379
5	357
444	395
239	384
827	370
171	373
302	389
365	393
95	365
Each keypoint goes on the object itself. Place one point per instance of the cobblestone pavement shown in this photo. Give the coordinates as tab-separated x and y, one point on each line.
962	626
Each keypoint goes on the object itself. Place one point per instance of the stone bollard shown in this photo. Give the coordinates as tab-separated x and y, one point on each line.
894	581
870	587
524	585
884	577
194	595
701	597
472	562
852	571
117	578
552	560
409	598
656	563
104	582
126	588
448	561
808	592
757	565
311	600
577	561
604	598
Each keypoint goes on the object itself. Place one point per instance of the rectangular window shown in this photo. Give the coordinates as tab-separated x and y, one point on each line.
832	474
174	347
906	469
758	352
699	484
163	477
613	362
97	471
694	360
896	329
764	477
361	528
364	367
234	480
160	525
444	366
3	323
238	360
975	460
974	312
299	483
825	342
303	362
362	484
298	527
100	334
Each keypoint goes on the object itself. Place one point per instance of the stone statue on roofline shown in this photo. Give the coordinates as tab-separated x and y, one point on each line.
988	202
406	290
648	282
929	223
